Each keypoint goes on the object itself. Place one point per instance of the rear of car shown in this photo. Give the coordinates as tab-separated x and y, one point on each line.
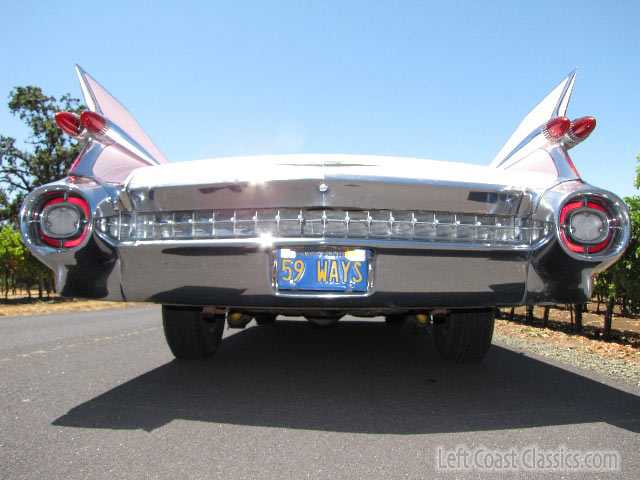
322	236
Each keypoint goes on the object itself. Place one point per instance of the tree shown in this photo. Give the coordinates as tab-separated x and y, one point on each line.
12	255
48	153
33	271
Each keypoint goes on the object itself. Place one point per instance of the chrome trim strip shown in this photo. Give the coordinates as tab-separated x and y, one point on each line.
114	134
565	96
521	145
265	244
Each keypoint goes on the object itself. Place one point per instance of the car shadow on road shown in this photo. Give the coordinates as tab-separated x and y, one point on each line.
363	377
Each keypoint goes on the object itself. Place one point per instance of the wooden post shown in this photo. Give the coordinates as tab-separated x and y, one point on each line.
529	314
578	323
570	308
545	316
608	317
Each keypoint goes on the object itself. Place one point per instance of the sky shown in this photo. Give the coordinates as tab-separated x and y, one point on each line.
444	80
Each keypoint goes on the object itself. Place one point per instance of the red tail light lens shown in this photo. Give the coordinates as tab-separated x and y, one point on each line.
69	123
582	127
64	222
585	226
556	128
94	122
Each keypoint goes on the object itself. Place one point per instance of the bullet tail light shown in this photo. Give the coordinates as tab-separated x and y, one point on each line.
580	129
69	123
94	122
555	128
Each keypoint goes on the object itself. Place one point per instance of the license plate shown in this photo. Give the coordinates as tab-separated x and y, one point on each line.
343	270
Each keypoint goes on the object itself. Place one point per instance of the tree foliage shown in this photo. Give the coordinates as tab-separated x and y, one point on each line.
12	254
47	153
18	267
623	279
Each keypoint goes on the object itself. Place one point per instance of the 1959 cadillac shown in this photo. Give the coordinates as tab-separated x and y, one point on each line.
321	236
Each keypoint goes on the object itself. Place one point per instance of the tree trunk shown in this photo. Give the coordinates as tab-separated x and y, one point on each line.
40	285
545	316
599	302
578	326
512	314
608	316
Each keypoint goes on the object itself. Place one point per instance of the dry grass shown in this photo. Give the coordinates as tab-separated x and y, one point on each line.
21	305
624	345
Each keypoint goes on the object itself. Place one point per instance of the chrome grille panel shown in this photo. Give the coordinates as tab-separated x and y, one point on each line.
332	223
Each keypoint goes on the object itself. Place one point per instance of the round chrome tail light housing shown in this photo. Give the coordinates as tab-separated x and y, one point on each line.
58	219
587	225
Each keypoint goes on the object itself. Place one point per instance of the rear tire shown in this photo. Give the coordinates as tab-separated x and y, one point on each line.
190	334
397	320
465	337
324	322
265	319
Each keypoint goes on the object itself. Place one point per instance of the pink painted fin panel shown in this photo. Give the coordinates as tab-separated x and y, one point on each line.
114	111
114	165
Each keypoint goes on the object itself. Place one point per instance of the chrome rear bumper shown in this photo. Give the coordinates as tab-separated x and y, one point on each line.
404	275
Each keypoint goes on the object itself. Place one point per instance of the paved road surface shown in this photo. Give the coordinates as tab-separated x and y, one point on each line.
98	395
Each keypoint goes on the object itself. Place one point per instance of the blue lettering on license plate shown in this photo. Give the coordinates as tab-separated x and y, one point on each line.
320	270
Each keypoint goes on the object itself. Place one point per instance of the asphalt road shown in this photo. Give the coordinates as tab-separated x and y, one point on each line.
98	395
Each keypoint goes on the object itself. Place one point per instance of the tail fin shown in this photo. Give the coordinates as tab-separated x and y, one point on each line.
121	146
553	105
